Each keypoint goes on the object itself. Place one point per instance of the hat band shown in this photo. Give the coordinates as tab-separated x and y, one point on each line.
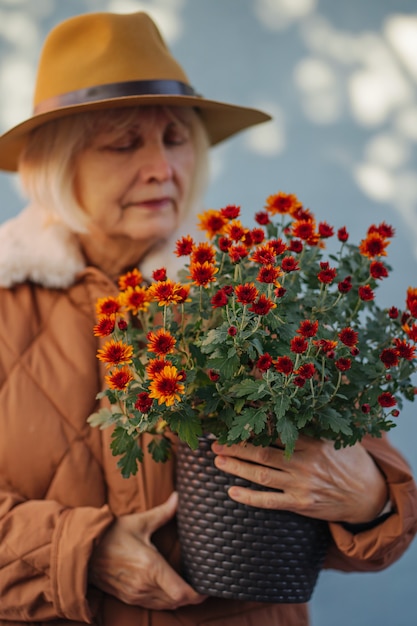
116	90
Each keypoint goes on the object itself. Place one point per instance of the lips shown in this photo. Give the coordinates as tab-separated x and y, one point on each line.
151	203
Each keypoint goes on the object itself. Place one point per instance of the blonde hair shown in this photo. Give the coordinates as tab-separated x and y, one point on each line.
47	162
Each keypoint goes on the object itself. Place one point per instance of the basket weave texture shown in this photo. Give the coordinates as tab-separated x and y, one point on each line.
234	551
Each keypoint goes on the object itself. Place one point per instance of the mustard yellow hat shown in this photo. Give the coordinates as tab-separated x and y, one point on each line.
106	60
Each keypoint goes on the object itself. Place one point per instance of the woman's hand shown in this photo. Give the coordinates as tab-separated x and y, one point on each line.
127	565
318	481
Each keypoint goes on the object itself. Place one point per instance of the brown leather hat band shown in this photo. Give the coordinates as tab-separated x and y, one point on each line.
116	90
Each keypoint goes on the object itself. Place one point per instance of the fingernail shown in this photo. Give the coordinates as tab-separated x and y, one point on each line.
217	447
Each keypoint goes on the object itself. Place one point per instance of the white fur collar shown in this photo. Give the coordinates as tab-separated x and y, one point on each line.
33	247
37	249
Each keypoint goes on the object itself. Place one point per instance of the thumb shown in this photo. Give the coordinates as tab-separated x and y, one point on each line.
160	515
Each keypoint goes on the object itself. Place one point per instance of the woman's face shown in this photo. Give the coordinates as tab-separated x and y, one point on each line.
134	181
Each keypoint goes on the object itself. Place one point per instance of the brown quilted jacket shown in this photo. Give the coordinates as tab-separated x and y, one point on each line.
60	488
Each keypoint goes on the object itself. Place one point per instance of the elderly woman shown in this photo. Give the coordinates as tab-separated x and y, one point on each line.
113	161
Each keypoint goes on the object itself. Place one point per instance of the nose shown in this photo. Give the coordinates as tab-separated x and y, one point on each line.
156	163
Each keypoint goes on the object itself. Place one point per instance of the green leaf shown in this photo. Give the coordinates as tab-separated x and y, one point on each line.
288	434
331	418
103	418
281	406
127	448
187	425
250	388
160	449
249	421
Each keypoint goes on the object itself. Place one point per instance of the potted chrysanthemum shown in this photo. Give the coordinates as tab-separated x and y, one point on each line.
262	338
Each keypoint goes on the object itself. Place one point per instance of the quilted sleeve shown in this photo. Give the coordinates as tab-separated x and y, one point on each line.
380	546
44	554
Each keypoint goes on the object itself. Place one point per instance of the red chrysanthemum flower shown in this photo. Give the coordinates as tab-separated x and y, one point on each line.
405	350
289	264
343	364
299	381
159	274
237	253
264	255
366	408
389	357
262	306
166	386
393	313
160	342
203	252
143	402
296	246
386	400
104	326
231	211
327	274
202	274
268	274
184	246
219	299
366	293
277	245
258	235
284	365
119	379
325	345
262	218
325	230
155	366
342	234
115	353
383	229
304	229
348	336
378	270
373	245
247	293
308	328
345	285
225	243
280	292
307	370
130	279
298	345
264	363
232	331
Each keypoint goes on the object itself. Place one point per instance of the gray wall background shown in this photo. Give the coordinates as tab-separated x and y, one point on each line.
340	78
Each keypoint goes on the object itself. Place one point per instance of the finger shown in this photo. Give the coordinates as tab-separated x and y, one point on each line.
262	499
268	456
158	516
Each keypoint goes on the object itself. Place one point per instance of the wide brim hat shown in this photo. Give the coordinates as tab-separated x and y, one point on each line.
106	60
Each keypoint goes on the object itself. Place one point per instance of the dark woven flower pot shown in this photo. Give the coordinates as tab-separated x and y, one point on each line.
231	550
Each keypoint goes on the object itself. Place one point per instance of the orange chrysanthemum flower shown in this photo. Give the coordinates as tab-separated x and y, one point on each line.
119	379
135	299
212	222
166	292
105	326
308	328
411	301
202	274
264	255
203	252
263	305
373	245
269	274
166	386
115	353
161	342
155	366
247	293
130	279
108	306
282	203
304	229
235	230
